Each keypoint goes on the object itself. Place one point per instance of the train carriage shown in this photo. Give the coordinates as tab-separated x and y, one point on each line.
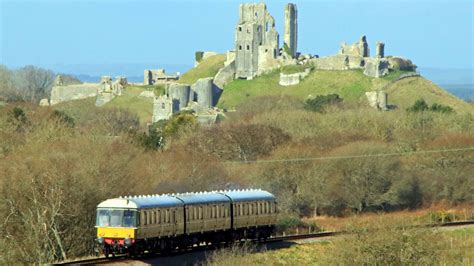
168	222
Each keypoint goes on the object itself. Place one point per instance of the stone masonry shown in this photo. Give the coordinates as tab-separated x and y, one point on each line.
157	76
291	29
256	41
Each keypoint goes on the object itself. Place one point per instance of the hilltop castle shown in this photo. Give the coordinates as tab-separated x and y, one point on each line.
256	51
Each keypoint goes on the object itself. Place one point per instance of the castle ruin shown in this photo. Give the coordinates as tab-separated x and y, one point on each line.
256	41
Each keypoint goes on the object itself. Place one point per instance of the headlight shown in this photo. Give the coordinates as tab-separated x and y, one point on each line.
127	242
100	240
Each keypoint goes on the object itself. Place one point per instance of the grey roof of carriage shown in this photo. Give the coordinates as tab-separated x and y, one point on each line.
171	200
153	201
249	195
202	198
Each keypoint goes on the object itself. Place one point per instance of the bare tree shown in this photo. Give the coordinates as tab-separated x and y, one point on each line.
33	83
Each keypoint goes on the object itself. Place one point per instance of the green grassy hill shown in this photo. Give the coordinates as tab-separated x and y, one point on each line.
207	68
350	85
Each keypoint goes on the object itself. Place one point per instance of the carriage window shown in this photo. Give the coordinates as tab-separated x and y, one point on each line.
200	213
153	217
188	213
145	221
158	216
173	216
250	208
241	209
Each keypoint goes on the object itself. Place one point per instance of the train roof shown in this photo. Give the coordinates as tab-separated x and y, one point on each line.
172	200
202	198
249	195
141	202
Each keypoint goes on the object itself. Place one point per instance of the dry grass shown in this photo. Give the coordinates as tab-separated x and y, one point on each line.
377	241
420	216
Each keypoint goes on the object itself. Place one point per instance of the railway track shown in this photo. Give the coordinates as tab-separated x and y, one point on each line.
124	258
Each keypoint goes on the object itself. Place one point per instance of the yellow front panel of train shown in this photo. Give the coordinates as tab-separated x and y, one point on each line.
115	232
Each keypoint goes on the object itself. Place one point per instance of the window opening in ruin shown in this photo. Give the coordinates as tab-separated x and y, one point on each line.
248	47
240	47
248	31
256	14
163	106
266	50
266	27
240	28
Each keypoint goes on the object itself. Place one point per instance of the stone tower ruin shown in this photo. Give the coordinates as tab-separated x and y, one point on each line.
256	41
291	30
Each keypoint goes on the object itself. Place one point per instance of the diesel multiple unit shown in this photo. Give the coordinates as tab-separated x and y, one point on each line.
167	222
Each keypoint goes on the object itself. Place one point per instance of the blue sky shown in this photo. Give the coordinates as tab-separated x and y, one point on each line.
53	33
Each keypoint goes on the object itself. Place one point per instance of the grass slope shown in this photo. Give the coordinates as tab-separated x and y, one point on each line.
350	85
207	68
405	92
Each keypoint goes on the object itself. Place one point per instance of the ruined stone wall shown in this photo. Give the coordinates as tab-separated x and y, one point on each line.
203	90
336	62
246	57
163	108
225	75
293	79
291	29
181	93
376	67
360	48
73	92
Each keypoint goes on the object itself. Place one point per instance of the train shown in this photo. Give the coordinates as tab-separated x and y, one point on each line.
135	225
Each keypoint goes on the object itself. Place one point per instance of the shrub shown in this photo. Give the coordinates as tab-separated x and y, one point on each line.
63	118
320	102
441	108
198	56
420	106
